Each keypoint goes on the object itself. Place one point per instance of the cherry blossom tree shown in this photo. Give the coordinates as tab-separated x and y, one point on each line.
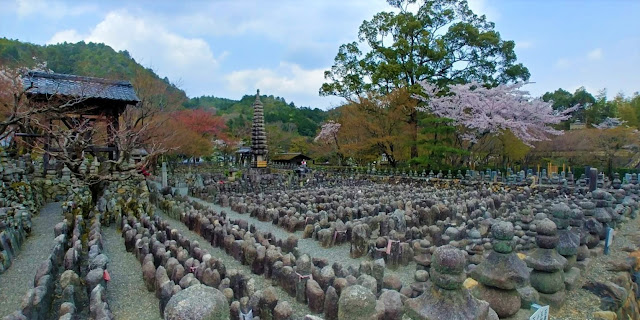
328	132
329	135
481	111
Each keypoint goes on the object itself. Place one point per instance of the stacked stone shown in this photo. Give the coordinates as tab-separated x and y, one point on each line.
200	300
37	301
167	267
548	265
631	200
577	223
360	240
604	212
302	276
15	225
96	277
422	254
568	241
501	273
390	306
421	278
475	248
524	222
357	303
446	298
310	281
258	133
590	236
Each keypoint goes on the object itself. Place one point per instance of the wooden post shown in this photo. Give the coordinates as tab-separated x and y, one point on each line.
116	126
47	145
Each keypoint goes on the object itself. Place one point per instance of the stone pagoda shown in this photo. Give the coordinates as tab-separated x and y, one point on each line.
258	136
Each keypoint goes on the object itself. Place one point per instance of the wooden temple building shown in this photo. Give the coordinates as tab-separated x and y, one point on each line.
83	99
291	158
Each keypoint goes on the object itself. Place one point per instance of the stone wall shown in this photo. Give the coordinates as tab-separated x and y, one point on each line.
124	198
20	200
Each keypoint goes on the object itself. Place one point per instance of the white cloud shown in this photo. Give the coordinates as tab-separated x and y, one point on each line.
189	61
71	36
52	9
481	7
284	21
524	44
595	54
563	63
287	80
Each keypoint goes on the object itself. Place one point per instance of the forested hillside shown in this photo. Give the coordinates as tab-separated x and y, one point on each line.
290	128
304	120
87	59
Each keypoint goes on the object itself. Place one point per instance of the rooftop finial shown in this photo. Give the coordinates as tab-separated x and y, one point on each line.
257	101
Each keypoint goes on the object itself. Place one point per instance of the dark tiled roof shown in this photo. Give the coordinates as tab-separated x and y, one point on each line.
288	156
79	87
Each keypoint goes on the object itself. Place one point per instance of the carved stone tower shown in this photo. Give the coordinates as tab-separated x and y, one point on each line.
258	136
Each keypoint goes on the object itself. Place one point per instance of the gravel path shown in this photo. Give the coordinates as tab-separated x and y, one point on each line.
312	247
127	295
15	282
300	309
581	304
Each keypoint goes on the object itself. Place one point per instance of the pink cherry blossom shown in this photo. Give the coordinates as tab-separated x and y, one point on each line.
329	132
483	111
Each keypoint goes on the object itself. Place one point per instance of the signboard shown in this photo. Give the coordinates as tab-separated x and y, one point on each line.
541	314
261	164
608	241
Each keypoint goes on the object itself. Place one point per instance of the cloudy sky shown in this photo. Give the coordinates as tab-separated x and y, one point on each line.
228	48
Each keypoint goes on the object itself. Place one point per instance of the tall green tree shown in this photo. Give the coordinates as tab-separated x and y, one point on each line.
563	99
440	142
629	110
443	42
600	109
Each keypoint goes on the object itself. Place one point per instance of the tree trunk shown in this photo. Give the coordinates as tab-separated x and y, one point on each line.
413	123
392	161
97	189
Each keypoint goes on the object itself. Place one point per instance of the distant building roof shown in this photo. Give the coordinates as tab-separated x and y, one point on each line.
244	150
288	156
43	83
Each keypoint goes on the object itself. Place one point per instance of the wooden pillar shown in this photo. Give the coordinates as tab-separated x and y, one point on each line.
112	130
116	126
47	146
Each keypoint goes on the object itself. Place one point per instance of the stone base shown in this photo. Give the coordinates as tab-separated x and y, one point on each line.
597	251
547	282
571	262
437	303
504	302
528	296
584	265
572	278
554	300
522	314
